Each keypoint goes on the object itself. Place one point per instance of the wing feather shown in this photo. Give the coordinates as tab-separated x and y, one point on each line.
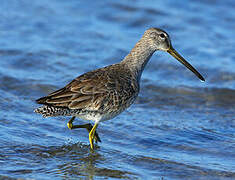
96	90
79	93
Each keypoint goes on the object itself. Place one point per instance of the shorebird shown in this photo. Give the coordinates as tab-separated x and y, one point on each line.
102	94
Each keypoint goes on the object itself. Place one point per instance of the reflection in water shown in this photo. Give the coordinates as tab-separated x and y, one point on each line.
82	162
69	161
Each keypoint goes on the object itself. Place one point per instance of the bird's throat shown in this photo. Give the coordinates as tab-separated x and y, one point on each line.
139	56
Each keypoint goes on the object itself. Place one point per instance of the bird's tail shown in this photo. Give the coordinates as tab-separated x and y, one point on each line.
49	111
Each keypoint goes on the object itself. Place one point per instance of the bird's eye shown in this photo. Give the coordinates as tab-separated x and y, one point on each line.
162	35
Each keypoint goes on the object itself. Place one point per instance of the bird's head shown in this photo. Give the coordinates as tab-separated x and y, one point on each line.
158	39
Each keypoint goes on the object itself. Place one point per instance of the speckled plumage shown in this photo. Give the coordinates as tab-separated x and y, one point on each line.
104	93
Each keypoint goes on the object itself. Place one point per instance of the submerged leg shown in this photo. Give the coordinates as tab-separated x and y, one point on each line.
92	135
87	126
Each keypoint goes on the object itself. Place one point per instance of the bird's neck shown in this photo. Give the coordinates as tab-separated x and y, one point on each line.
138	57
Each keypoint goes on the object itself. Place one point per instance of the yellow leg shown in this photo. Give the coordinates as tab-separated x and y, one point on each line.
70	123
88	126
92	135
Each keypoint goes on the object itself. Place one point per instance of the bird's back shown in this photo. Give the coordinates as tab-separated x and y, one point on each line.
105	92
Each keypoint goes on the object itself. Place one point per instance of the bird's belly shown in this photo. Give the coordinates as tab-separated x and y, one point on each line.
98	117
109	110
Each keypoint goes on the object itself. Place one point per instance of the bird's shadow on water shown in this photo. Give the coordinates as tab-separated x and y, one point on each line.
77	160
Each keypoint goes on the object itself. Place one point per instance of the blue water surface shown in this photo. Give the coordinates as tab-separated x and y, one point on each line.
178	128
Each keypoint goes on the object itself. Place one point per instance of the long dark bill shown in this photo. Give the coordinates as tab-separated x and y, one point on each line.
177	56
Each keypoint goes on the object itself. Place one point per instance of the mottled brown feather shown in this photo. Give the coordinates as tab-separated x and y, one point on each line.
99	90
53	100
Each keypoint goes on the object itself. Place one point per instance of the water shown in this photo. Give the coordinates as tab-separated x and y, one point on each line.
179	128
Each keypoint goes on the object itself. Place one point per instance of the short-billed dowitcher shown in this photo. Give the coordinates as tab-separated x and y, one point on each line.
104	93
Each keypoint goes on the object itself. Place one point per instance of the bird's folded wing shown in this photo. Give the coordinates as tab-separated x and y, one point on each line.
80	93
